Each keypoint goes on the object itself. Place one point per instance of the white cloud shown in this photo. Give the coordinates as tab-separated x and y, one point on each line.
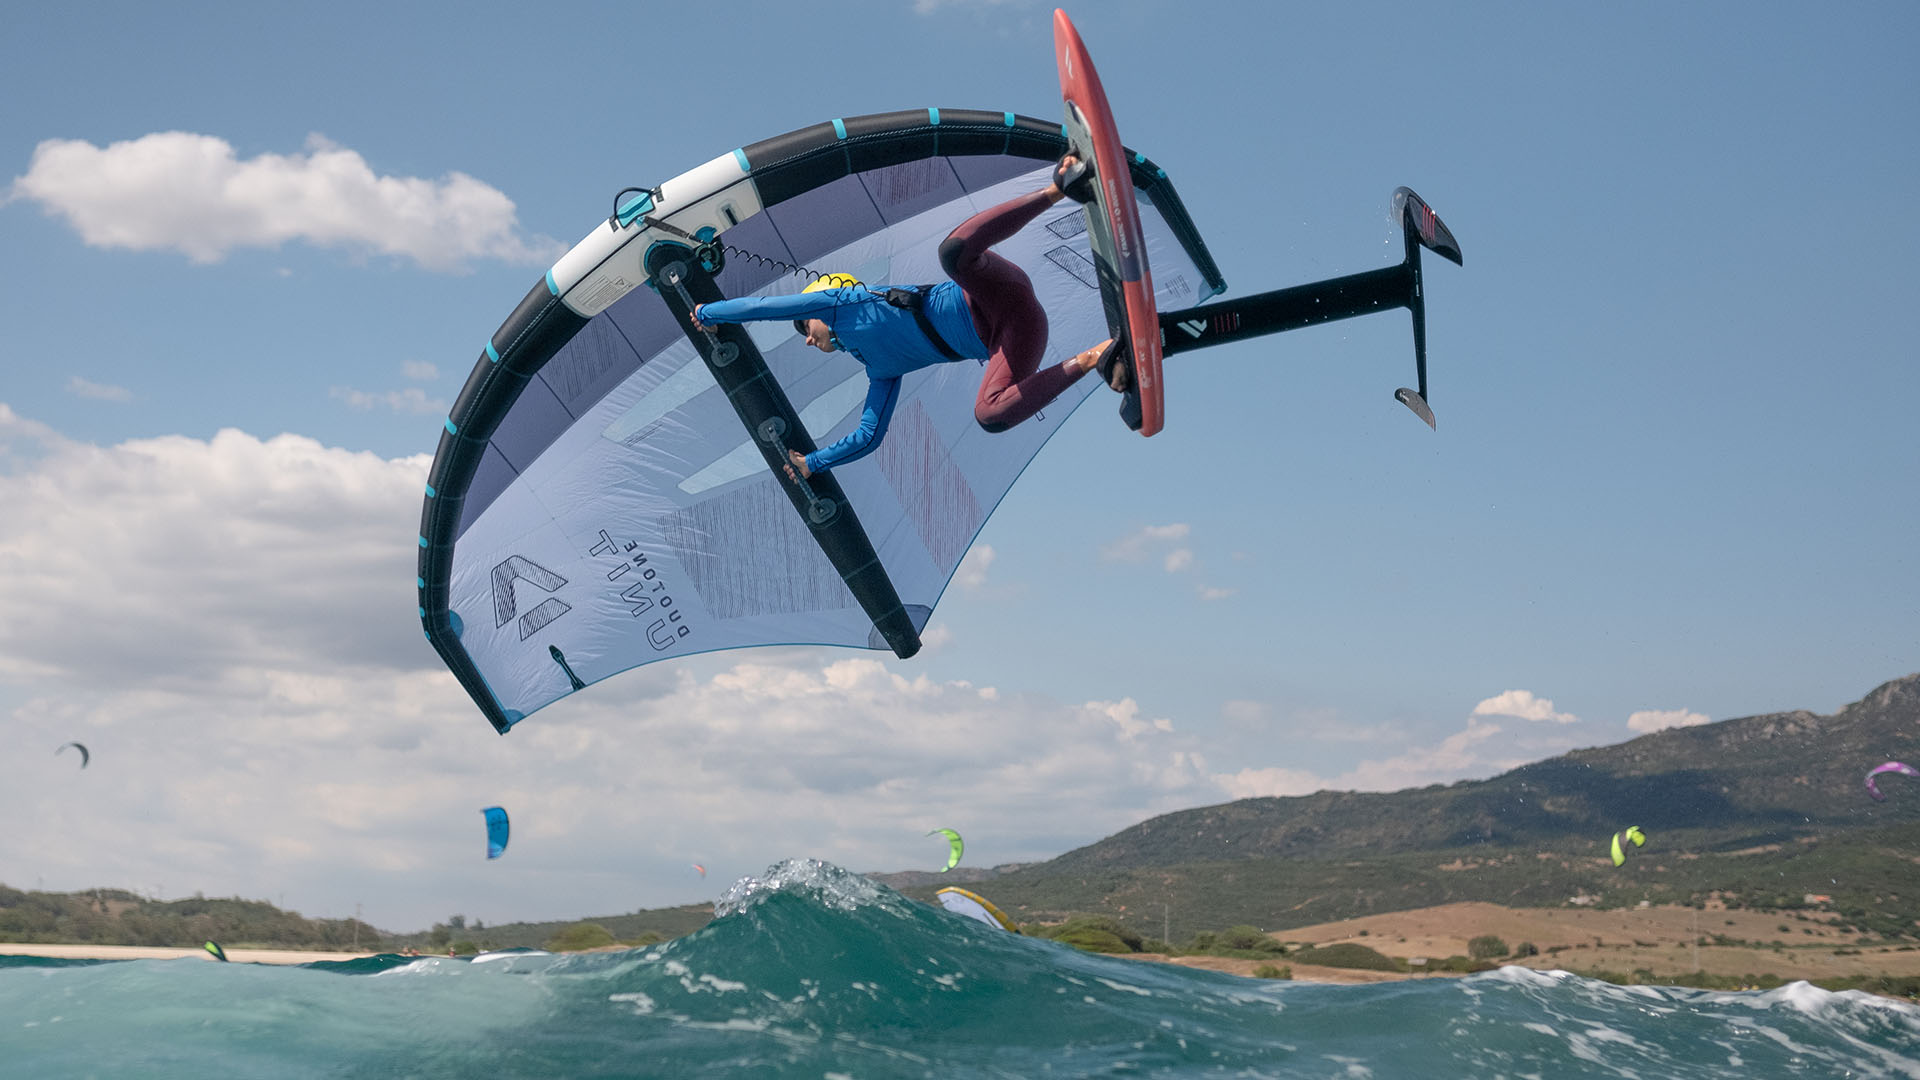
1268	782
169	558
1178	559
1479	750
1660	719
972	572
1522	705
229	625
409	401
1244	712
420	371
928	7
1140	544
86	388
194	194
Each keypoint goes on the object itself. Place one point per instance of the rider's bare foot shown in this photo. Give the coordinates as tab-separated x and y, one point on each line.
1054	194
1072	179
1113	366
1086	361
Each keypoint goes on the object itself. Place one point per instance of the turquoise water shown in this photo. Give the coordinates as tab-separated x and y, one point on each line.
810	971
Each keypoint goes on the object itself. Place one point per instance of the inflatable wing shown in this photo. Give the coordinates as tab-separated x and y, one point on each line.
974	906
605	491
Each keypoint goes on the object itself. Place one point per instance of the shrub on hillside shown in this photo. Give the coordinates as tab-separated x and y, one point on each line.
1092	939
1348	955
1486	947
580	936
1094	933
1250	938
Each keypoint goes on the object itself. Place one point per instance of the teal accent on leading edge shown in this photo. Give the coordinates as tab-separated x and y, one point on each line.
420	582
840	129
1009	117
551	287
635	206
423	613
432	494
740	156
933	117
423	541
451	430
491	353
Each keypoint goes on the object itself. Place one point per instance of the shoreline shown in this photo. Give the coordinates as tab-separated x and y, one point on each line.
173	952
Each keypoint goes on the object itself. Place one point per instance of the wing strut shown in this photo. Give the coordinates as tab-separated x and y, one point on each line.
1327	301
683	281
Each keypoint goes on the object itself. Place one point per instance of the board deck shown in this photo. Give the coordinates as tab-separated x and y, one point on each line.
1113	225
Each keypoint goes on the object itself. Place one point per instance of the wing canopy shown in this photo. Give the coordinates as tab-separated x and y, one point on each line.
597	502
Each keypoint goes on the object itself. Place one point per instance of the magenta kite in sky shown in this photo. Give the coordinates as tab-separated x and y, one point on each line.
1900	767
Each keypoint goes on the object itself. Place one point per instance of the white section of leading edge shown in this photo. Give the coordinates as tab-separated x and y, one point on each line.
608	263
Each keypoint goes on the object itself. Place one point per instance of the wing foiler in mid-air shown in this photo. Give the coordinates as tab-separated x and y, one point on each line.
608	488
605	491
84	756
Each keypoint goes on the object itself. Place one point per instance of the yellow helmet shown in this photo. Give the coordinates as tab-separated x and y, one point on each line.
831	281
824	281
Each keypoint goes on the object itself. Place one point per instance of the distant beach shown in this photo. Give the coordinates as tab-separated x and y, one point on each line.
1661	939
147	952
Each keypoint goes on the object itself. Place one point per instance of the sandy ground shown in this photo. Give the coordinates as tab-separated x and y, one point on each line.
1659	939
141	952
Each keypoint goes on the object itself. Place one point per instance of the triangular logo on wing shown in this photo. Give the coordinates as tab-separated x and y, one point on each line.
504	606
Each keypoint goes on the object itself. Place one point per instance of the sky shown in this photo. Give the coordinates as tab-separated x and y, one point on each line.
246	265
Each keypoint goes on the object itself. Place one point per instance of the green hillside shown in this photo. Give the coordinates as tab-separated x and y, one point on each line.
1723	786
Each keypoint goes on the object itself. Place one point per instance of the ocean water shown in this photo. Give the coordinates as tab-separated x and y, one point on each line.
809	971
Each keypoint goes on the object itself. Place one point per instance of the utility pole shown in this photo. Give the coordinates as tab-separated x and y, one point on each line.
1696	939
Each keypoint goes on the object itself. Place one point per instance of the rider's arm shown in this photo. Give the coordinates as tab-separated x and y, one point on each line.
881	396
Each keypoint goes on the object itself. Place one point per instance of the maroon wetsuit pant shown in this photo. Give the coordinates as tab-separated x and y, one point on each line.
1006	313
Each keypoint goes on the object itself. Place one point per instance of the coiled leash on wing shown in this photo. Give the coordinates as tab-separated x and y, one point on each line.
712	252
